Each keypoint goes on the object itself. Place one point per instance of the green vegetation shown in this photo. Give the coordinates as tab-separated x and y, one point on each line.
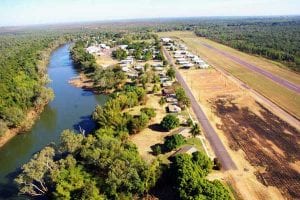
273	38
169	122
188	177
119	54
183	100
85	164
195	130
173	142
23	60
104	164
108	79
83	59
150	112
171	73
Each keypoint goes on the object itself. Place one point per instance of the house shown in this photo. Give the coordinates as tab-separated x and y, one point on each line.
157	65
139	68
180	59
124	47
132	74
186	149
93	49
178	56
182	62
104	46
171	100
203	65
187	66
128	60
173	108
166	40
167	84
164	79
158	68
168	91
198	61
125	68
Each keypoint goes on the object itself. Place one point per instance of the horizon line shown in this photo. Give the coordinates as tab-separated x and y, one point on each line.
83	22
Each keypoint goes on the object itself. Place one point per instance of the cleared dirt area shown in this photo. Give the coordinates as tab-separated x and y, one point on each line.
105	59
285	98
149	137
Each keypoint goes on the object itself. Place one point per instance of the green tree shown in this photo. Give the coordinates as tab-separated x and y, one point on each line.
195	130
34	178
171	73
174	141
156	88
150	112
169	122
70	142
183	100
119	54
162	101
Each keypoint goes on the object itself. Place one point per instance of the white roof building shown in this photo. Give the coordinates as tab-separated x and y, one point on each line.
166	40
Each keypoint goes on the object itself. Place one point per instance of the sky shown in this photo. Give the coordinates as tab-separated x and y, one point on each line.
28	12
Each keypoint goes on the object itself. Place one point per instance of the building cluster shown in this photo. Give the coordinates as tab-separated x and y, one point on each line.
97	49
183	57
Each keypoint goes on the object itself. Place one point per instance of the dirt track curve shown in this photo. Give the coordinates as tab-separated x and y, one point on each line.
211	135
276	79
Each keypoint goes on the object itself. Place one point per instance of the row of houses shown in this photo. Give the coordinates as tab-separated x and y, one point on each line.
169	94
183	57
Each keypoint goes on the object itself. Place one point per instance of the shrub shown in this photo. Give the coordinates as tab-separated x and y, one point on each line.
174	141
189	122
150	112
169	122
217	164
162	101
156	150
137	124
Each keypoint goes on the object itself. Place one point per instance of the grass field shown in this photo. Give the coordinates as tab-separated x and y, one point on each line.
286	99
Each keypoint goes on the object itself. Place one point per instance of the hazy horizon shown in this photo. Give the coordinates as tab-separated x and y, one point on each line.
33	12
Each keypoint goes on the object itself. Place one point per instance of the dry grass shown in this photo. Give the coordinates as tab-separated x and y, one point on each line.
149	137
283	97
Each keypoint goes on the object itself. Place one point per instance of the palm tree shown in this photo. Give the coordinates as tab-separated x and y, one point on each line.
195	130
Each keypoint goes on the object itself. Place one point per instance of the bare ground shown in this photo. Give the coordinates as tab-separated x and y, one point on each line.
267	141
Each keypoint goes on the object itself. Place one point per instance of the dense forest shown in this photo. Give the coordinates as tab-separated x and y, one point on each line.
274	39
23	60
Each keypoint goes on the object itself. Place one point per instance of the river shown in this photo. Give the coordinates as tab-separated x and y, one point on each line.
71	108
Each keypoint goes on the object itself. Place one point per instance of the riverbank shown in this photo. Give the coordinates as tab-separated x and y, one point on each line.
31	117
34	112
82	81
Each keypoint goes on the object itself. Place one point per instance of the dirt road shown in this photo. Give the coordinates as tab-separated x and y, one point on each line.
210	133
278	80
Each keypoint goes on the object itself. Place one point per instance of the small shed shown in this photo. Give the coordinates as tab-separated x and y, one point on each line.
186	149
168	91
173	108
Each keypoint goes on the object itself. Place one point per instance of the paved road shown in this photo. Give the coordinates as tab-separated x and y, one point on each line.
210	133
276	79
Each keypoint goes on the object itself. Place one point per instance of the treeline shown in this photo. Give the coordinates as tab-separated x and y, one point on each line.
82	59
275	39
23	60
